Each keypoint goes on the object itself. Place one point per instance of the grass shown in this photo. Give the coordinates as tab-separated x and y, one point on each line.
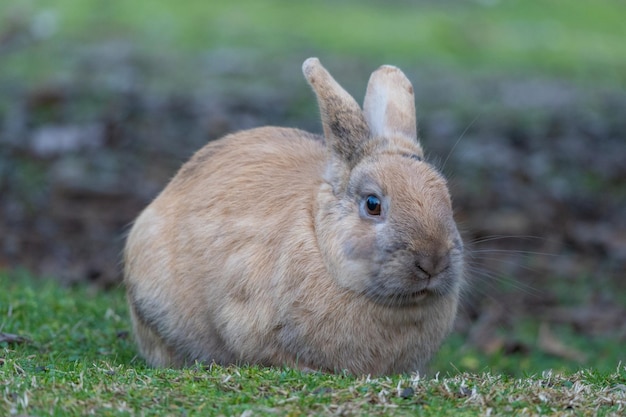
572	39
78	358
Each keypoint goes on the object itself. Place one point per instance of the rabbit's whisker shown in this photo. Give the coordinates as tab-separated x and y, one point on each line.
443	166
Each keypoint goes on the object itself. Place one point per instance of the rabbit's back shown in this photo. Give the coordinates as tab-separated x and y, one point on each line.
214	236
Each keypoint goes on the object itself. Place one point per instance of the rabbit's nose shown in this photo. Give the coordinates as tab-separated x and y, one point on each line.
431	265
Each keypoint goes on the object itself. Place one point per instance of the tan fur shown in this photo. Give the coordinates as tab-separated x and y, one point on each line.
259	250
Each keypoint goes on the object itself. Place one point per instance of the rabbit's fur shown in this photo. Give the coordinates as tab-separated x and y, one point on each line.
263	248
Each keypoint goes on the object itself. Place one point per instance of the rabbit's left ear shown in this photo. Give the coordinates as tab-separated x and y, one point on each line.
344	125
389	105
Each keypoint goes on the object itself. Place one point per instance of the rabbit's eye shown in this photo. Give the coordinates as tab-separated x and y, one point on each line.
372	204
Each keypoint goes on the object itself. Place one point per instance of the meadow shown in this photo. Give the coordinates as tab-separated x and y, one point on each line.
497	82
69	352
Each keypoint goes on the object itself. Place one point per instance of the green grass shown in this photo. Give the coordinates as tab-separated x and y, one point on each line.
574	39
79	359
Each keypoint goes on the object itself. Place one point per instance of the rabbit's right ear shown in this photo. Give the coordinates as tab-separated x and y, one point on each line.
344	125
389	104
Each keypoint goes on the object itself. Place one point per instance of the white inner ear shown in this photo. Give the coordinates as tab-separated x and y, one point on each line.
389	106
374	109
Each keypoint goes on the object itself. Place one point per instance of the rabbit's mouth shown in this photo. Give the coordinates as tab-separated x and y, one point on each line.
411	290
419	294
399	298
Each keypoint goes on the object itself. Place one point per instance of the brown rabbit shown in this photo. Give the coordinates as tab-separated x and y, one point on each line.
275	246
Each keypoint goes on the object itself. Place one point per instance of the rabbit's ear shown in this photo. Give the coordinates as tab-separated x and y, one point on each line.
389	105
344	126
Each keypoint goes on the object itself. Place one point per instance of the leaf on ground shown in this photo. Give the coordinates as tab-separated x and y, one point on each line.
51	140
13	338
550	343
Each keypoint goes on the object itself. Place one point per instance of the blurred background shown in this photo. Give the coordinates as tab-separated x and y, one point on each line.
522	104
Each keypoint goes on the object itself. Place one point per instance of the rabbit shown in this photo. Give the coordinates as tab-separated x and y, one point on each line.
278	247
